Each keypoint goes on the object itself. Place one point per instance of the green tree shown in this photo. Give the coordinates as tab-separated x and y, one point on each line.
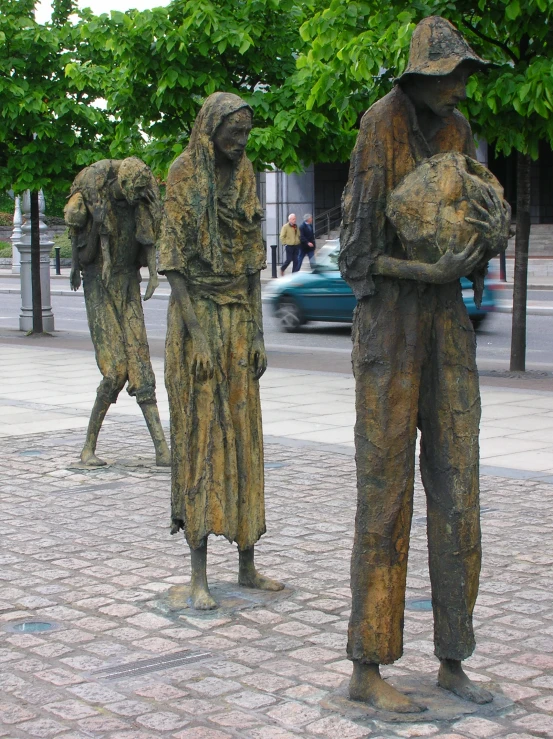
160	64
354	51
49	127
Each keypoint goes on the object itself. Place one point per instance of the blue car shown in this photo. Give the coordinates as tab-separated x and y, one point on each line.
322	295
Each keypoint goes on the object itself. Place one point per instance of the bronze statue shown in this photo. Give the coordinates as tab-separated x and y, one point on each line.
212	253
414	359
113	214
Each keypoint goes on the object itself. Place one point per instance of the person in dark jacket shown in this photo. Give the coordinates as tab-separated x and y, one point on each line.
307	241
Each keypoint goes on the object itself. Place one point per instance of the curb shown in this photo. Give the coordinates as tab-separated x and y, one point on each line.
502	306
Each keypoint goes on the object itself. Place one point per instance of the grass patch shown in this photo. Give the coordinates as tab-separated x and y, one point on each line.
64	242
61	240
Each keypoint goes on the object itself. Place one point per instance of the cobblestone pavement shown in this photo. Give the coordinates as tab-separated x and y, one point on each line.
91	552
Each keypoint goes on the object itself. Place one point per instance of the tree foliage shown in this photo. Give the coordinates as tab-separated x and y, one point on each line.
49	128
354	51
160	64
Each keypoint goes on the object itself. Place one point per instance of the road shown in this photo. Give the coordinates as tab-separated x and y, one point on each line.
318	346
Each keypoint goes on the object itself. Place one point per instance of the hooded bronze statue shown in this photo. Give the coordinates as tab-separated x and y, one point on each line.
418	213
212	253
113	214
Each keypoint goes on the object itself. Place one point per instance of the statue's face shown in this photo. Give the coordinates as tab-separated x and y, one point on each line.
443	94
134	185
231	136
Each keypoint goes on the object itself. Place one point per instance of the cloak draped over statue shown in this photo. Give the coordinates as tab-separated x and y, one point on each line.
212	236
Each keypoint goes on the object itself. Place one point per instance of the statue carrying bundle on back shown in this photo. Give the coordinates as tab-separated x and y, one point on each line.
113	214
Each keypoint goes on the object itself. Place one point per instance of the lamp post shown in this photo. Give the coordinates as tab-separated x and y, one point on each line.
16	236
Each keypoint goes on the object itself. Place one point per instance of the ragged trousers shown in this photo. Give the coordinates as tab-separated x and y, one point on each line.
414	365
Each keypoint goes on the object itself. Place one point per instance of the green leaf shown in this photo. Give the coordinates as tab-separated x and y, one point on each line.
512	11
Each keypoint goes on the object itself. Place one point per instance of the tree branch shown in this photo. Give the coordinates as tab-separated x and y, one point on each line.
492	41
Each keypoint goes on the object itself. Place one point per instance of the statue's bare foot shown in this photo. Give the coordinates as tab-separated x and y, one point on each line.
163	453
200	598
249	577
90	459
452	677
163	459
366	685
259	582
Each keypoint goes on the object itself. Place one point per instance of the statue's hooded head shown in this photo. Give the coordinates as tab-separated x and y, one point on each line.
440	63
222	127
135	179
437	49
216	113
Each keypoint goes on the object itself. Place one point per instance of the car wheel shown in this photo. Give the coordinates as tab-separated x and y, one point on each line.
477	322
289	315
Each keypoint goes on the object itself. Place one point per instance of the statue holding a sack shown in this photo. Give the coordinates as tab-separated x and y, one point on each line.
113	214
419	212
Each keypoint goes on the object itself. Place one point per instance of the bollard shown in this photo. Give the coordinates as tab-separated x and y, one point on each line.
58	262
502	267
274	248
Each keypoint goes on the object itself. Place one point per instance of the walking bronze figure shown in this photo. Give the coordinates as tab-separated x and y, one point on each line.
406	241
113	215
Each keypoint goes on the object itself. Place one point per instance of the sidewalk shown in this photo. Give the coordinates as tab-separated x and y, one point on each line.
89	552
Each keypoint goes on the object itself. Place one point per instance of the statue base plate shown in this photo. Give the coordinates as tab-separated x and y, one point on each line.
147	464
138	464
230	598
80	466
441	704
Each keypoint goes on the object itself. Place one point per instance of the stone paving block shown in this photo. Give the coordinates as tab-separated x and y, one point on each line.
201	732
332	726
129	708
42	727
271	732
294	714
214	686
251	699
14	714
70	710
162	721
237	720
101	725
537	722
478	727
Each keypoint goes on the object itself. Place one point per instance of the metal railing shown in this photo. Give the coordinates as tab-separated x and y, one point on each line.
327	221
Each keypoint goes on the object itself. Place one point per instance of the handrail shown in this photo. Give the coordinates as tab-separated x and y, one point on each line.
326	221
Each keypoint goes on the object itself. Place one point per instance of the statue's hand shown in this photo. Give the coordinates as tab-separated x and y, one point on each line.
75	278
258	357
202	363
452	266
153	284
493	221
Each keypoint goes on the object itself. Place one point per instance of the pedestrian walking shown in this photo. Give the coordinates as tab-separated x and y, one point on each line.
290	239
307	241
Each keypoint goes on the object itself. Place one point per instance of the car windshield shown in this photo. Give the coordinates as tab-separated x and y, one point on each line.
327	261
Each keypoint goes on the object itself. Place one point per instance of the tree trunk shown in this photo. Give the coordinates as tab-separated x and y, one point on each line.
35	264
520	286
